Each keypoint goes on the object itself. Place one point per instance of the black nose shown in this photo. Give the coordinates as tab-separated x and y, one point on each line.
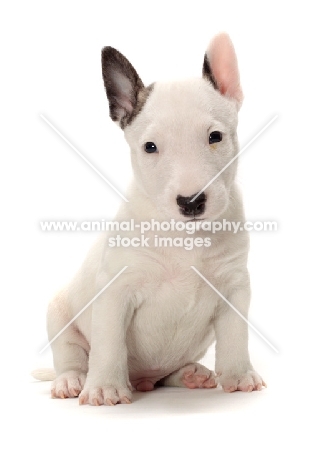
192	208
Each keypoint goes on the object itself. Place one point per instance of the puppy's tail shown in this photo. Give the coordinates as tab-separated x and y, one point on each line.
44	374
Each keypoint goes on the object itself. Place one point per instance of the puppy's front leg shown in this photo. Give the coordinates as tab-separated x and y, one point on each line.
233	364
108	379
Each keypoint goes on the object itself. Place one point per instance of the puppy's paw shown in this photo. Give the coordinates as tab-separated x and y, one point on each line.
198	376
68	385
192	375
106	395
245	382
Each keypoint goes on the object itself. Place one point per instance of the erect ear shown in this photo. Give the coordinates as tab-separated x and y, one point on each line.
122	84
220	68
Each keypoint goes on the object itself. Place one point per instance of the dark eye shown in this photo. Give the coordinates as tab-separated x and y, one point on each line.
215	137
150	147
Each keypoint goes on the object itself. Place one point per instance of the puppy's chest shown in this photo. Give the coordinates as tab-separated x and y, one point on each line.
174	299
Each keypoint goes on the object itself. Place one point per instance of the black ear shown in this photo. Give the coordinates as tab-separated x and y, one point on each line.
122	84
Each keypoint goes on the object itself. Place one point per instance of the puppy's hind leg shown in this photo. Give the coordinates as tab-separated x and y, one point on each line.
193	375
70	351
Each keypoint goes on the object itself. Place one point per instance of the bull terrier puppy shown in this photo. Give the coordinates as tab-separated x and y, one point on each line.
152	324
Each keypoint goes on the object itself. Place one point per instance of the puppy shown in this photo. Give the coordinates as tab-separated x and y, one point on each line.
157	318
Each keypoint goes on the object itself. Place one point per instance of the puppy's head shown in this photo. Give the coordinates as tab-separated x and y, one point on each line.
182	134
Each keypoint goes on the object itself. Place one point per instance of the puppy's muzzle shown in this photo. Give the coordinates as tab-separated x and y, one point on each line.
192	208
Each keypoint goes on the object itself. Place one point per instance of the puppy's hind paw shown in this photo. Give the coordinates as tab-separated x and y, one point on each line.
68	385
198	376
193	375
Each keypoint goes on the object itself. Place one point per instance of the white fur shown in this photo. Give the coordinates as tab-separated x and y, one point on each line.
159	316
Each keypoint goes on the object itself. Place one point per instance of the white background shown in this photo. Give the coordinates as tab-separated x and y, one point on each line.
50	64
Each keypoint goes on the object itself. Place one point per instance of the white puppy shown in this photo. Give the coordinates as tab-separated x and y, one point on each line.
156	320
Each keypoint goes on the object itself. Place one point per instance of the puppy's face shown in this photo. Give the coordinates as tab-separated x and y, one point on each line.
182	138
181	134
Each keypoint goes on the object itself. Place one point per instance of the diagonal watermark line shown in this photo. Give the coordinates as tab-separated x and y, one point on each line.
235	310
83	309
83	157
235	157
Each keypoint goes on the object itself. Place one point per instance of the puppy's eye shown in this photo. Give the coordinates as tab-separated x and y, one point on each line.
150	147
215	137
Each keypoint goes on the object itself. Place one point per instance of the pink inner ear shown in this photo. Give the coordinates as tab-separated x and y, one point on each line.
124	87
223	63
